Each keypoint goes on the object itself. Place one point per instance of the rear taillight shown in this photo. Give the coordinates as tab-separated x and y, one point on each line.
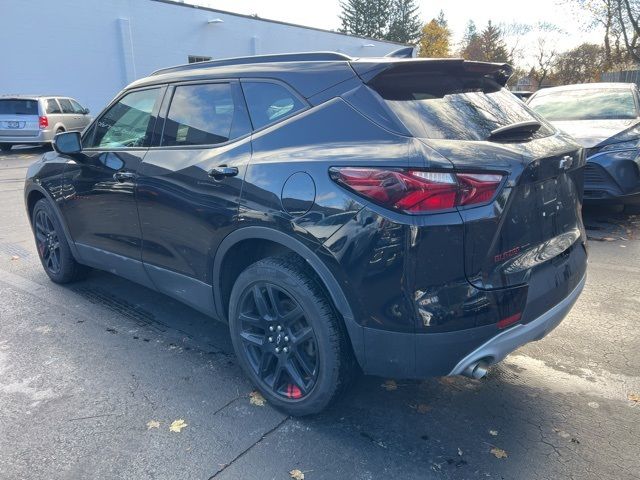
43	122
417	191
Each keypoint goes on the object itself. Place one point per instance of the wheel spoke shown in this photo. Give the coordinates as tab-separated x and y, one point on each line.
55	261
252	321
307	369
296	376
253	339
292	315
302	336
272	299
260	302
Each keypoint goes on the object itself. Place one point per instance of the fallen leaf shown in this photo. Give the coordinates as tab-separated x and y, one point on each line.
493	432
15	257
296	474
390	385
256	398
177	425
153	424
634	397
498	452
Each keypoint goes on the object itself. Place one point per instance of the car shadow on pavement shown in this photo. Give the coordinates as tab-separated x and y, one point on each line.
449	427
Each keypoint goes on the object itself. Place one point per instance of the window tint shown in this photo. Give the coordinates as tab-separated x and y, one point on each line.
199	115
583	104
464	107
18	107
66	105
77	108
52	106
269	102
125	124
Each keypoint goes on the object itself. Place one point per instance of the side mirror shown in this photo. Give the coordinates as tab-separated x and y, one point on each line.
85	111
67	143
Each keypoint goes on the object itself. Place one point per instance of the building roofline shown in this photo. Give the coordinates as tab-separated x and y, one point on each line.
279	22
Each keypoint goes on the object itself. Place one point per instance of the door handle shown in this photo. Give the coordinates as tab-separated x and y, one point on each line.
223	171
124	176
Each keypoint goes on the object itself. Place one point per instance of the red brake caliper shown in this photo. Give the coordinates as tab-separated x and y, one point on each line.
293	391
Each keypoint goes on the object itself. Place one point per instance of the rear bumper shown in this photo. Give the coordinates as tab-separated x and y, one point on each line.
43	136
411	355
498	347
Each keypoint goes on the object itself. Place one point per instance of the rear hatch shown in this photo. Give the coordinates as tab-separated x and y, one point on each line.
19	117
460	109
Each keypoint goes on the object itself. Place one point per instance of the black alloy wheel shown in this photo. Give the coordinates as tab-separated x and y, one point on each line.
48	242
288	337
278	341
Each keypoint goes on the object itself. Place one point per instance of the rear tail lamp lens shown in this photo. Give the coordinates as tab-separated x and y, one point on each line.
43	122
417	191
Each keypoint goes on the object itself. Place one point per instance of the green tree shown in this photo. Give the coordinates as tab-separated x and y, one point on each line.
435	41
367	18
492	45
581	64
470	48
404	24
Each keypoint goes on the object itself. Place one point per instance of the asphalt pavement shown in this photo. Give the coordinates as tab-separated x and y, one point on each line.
105	379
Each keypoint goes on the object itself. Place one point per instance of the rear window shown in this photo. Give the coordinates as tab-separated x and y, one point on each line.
18	107
582	104
460	107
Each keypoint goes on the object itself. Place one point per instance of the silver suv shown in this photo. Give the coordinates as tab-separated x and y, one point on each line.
37	119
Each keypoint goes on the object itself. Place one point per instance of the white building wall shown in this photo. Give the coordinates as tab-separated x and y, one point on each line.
90	49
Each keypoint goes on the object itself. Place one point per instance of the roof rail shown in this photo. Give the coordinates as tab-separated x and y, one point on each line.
279	57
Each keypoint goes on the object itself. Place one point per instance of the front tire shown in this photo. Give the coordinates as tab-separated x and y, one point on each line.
5	147
53	249
287	336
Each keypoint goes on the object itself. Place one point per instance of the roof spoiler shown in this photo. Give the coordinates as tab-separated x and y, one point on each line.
404	52
369	69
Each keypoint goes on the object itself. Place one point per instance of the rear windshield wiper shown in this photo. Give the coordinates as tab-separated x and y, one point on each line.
529	126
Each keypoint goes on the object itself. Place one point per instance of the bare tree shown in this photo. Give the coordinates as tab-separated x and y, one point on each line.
545	59
628	17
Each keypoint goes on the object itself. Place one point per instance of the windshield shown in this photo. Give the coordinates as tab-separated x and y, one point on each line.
461	107
600	104
18	107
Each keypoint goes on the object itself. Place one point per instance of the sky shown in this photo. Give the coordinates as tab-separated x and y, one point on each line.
324	14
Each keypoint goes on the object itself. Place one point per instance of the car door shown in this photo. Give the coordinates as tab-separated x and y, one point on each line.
99	206
69	118
82	118
189	185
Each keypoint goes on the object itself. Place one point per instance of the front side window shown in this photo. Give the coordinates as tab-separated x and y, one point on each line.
199	115
269	102
586	104
66	105
127	124
52	106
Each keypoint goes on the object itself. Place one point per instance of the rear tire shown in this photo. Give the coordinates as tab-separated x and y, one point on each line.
53	249
5	147
297	354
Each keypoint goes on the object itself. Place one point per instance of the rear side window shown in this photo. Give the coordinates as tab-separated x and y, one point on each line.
18	107
269	102
454	107
199	115
52	106
65	104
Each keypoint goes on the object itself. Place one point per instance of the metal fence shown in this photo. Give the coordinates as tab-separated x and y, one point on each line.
625	76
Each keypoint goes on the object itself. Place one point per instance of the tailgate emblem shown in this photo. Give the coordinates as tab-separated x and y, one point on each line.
566	162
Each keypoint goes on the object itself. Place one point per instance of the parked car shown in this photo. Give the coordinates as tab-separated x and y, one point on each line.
28	119
410	217
522	94
604	118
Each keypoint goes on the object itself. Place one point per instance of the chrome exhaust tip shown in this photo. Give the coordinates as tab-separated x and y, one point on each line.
476	370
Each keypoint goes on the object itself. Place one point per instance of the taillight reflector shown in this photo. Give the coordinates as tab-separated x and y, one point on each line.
505	322
43	122
417	191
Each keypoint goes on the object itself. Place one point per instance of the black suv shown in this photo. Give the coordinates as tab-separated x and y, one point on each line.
407	216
